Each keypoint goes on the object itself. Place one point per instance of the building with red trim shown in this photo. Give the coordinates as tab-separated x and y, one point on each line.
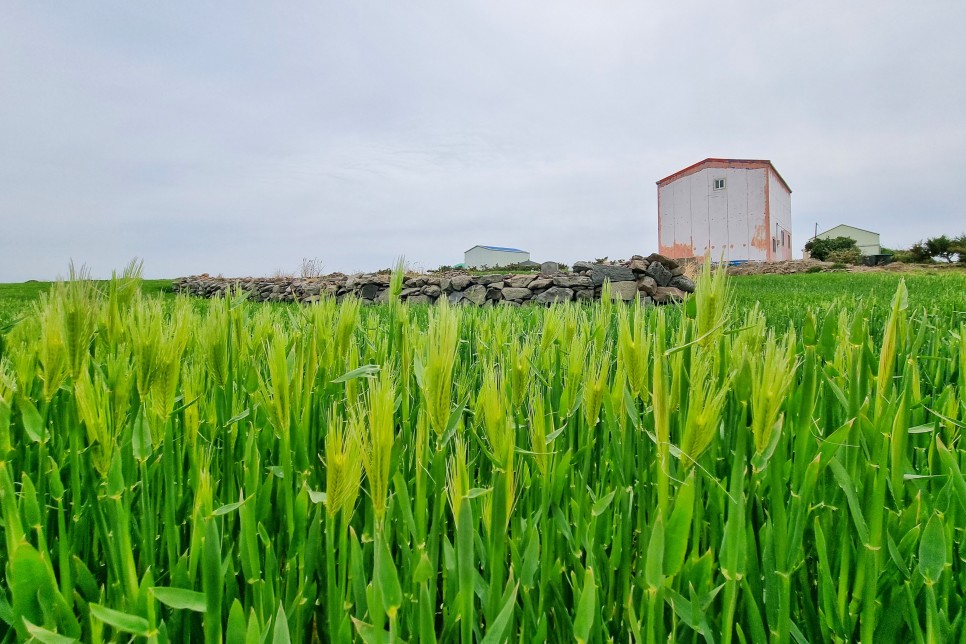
730	209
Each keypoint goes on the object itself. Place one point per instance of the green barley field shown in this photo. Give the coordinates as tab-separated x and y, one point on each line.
778	459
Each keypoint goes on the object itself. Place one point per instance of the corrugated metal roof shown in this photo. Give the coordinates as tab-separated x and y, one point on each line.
503	248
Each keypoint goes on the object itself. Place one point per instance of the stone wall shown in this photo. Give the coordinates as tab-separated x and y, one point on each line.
658	279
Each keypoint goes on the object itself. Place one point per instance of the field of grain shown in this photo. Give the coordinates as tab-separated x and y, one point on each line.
174	470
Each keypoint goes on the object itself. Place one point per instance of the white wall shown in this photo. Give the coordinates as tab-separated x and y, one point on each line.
867	241
780	214
696	220
479	257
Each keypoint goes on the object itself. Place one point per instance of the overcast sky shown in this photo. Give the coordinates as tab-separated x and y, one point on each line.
238	138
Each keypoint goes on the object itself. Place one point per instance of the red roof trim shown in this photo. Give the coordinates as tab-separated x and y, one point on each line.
733	163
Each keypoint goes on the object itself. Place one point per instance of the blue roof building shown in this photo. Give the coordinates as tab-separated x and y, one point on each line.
490	256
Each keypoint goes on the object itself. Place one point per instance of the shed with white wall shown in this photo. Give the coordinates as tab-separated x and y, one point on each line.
866	240
731	209
490	256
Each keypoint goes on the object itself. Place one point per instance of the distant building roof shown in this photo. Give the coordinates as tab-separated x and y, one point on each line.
872	232
724	163
501	248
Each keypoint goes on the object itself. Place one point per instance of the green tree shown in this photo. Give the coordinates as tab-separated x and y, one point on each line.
959	247
820	249
918	253
941	246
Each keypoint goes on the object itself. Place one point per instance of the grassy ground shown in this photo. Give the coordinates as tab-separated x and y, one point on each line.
782	297
16	298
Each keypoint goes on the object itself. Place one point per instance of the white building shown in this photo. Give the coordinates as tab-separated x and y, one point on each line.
731	209
490	256
866	240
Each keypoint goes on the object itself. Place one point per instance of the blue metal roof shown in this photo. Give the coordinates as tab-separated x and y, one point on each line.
503	248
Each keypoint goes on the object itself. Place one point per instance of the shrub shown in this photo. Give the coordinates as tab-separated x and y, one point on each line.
845	256
311	267
959	247
821	248
919	254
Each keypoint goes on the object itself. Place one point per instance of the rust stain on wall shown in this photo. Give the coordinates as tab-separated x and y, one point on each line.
760	239
676	251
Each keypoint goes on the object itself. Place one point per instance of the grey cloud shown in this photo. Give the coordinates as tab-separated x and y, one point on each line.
239	140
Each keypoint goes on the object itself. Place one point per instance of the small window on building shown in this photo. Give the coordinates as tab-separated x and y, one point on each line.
719	184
